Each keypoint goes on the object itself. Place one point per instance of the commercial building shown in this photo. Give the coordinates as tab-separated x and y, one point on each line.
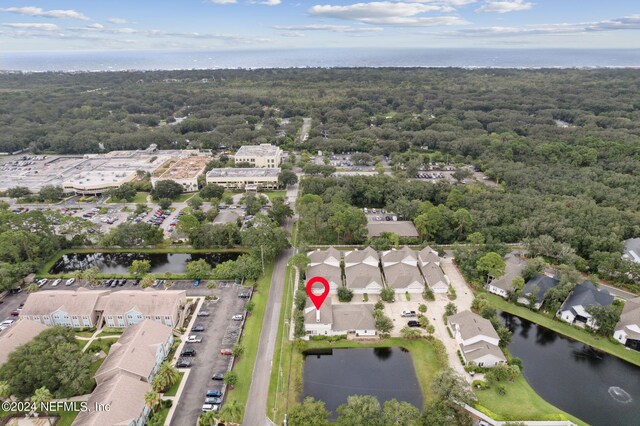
138	352
627	330
262	156
97	182
239	178
477	338
17	335
184	171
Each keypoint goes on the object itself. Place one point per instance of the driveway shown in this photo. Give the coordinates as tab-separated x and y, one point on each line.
220	332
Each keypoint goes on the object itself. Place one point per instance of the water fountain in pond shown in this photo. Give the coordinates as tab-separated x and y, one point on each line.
620	395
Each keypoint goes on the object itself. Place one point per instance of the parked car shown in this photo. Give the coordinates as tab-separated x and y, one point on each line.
136	282
183	363
237	317
409	313
42	282
413	324
70	281
15	313
210	407
226	352
203	313
198	328
122	283
194	339
196	283
218	376
244	295
188	352
6	324
211	393
56	282
213	400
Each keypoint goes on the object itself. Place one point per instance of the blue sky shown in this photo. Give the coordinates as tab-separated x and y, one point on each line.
53	25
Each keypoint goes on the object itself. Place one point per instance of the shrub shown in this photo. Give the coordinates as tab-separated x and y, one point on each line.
345	294
408	296
422	308
388	295
428	295
378	306
460	357
452	293
365	297
502	390
480	384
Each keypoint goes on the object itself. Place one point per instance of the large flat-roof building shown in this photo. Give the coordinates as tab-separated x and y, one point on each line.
244	178
184	171
98	182
263	155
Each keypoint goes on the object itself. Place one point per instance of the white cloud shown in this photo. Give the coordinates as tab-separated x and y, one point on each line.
117	21
37	11
238	39
95	26
292	34
496	6
401	14
326	27
223	1
270	2
631	22
33	26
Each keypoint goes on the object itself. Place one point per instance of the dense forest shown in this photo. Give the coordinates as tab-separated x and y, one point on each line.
563	145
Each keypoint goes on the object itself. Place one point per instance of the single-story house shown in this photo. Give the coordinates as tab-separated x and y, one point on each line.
584	295
627	330
477	338
17	335
335	320
503	285
541	284
138	352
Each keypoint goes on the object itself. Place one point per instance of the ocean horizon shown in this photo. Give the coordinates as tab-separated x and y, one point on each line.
96	61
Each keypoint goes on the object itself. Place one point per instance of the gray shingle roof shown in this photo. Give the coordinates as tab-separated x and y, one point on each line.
472	325
359	276
353	317
477	350
544	284
401	275
17	335
513	269
630	317
586	294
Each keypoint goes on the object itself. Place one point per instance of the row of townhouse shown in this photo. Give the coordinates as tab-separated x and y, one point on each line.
365	271
575	308
93	308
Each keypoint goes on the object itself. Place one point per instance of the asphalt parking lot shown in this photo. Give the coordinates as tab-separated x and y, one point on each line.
220	332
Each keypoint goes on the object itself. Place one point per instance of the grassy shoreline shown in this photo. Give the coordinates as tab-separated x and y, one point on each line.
598	342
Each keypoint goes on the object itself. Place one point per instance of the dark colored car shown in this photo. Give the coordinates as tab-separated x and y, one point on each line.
218	376
188	352
198	328
136	282
244	295
413	324
15	313
122	282
212	393
183	363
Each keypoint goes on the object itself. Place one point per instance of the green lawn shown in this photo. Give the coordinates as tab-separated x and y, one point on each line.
84	333
174	389
250	339
520	402
183	197
272	194
140	198
565	329
102	344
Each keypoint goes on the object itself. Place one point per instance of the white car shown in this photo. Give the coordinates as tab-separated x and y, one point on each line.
194	339
6	324
210	407
238	317
42	282
56	282
409	313
70	281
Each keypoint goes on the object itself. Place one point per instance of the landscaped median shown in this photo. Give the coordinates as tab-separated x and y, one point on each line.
598	342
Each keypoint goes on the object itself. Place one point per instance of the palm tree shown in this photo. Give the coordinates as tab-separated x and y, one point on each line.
231	412
77	274
5	389
152	399
91	276
147	280
32	288
167	374
208	419
40	397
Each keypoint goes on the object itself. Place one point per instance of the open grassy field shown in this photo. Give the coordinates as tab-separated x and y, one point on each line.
598	342
272	194
250	339
520	402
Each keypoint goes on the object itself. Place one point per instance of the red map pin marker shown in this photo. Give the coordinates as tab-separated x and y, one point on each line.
318	299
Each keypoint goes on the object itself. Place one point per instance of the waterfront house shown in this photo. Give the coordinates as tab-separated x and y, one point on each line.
584	295
477	339
627	330
503	286
541	284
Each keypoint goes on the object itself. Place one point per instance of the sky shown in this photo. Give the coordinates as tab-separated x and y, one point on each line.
64	25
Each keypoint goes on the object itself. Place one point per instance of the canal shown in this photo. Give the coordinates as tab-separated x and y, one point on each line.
596	387
331	375
118	263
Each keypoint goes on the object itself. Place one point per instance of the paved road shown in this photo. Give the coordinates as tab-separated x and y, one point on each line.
622	294
256	409
306	126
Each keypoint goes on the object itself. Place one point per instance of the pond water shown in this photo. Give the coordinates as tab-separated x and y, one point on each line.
118	263
598	388
331	375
